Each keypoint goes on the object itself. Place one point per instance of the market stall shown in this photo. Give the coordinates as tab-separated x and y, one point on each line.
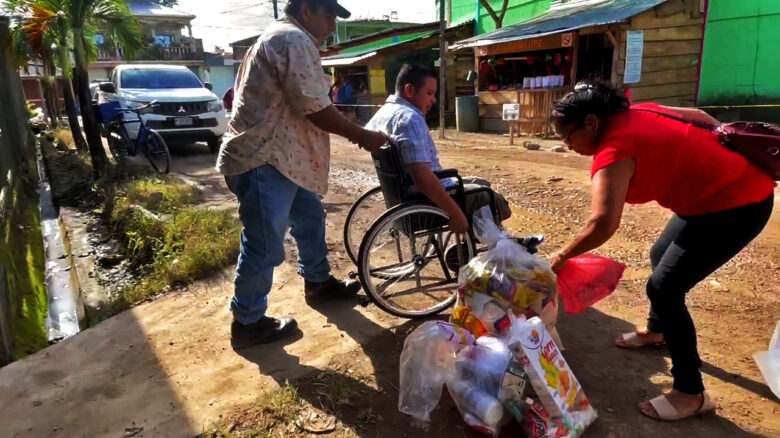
532	73
651	47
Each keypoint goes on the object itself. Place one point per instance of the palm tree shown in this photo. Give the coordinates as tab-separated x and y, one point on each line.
22	46
84	17
46	33
62	23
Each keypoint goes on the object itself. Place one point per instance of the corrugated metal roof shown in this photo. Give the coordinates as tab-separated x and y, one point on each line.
141	8
354	54
332	61
563	20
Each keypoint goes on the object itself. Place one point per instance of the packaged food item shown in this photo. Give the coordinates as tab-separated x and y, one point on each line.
427	362
514	387
537	422
553	381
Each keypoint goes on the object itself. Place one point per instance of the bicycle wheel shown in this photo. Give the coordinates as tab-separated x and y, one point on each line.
402	264
118	143
156	151
360	217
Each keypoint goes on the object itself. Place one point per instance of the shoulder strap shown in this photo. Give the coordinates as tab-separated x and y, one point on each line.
702	125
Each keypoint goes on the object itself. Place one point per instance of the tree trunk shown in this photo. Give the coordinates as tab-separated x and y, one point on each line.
70	106
53	87
73	118
47	93
96	151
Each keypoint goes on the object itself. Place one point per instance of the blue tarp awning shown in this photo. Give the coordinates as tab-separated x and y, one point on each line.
563	19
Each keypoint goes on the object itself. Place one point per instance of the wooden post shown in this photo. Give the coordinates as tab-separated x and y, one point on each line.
615	56
442	69
511	132
575	58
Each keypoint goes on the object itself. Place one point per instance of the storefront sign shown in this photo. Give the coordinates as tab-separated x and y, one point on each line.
634	50
511	111
528	45
567	39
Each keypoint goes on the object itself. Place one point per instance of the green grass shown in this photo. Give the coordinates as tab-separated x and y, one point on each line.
64	138
271	415
170	240
162	194
22	257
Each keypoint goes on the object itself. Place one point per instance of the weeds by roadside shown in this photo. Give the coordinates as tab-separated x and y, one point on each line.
64	139
166	238
284	412
269	417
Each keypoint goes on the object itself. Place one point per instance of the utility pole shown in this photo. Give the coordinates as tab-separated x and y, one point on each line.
276	9
442	69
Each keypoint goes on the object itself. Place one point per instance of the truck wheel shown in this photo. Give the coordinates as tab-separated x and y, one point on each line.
214	145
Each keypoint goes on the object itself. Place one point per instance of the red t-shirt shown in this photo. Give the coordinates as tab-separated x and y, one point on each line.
680	166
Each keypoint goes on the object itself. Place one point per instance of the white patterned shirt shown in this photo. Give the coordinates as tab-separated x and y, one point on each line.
280	82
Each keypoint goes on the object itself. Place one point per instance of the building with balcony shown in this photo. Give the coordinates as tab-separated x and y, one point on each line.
164	41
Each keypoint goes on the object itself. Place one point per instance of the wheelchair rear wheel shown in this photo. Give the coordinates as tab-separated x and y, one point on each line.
402	264
360	217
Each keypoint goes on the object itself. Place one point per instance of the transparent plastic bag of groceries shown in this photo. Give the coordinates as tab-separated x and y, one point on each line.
427	362
769	362
587	279
504	278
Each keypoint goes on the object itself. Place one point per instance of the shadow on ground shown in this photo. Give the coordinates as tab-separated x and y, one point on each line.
372	411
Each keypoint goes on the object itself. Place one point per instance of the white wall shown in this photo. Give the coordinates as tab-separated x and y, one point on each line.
221	77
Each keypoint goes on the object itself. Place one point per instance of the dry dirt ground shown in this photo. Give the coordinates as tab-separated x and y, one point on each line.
166	368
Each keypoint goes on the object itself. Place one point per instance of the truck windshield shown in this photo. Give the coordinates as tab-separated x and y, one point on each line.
160	79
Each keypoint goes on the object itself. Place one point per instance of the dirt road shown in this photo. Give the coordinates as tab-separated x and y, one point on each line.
166	368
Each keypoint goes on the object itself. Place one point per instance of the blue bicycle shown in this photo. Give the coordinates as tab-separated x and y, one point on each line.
149	141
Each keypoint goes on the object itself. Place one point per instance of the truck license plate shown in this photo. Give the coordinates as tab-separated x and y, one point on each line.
183	121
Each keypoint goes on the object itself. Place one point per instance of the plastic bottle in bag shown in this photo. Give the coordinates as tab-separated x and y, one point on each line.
473	400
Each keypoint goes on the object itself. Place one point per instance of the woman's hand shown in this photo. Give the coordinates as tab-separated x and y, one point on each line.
557	262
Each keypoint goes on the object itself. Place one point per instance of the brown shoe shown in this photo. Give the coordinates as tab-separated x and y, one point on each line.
331	289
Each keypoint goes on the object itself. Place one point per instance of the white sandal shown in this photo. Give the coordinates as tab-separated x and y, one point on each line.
666	412
631	341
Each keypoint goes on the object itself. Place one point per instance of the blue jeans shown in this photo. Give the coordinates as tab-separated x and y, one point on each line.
268	202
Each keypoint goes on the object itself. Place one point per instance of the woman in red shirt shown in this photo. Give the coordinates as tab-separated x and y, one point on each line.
720	200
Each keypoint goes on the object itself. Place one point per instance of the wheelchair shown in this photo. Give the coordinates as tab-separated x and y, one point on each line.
407	259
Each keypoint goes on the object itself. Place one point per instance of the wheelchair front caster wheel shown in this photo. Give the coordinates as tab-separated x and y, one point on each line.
364	301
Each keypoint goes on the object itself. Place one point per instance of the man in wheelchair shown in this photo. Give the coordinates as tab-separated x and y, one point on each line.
402	119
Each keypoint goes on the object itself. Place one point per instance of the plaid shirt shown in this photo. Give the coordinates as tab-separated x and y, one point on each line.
405	125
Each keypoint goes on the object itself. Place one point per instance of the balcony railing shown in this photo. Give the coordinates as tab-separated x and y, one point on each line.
190	49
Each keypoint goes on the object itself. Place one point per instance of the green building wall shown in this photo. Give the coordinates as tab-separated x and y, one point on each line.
741	56
517	12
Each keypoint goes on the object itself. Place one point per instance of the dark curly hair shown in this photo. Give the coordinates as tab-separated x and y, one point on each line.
589	97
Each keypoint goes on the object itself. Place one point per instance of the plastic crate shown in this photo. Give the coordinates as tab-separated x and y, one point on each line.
107	112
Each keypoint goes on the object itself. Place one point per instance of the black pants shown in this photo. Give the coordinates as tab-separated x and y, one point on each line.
690	249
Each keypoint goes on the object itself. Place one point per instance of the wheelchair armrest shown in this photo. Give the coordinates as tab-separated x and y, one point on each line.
447	173
460	195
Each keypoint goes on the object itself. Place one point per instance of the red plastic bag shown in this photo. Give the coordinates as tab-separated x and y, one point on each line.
587	279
